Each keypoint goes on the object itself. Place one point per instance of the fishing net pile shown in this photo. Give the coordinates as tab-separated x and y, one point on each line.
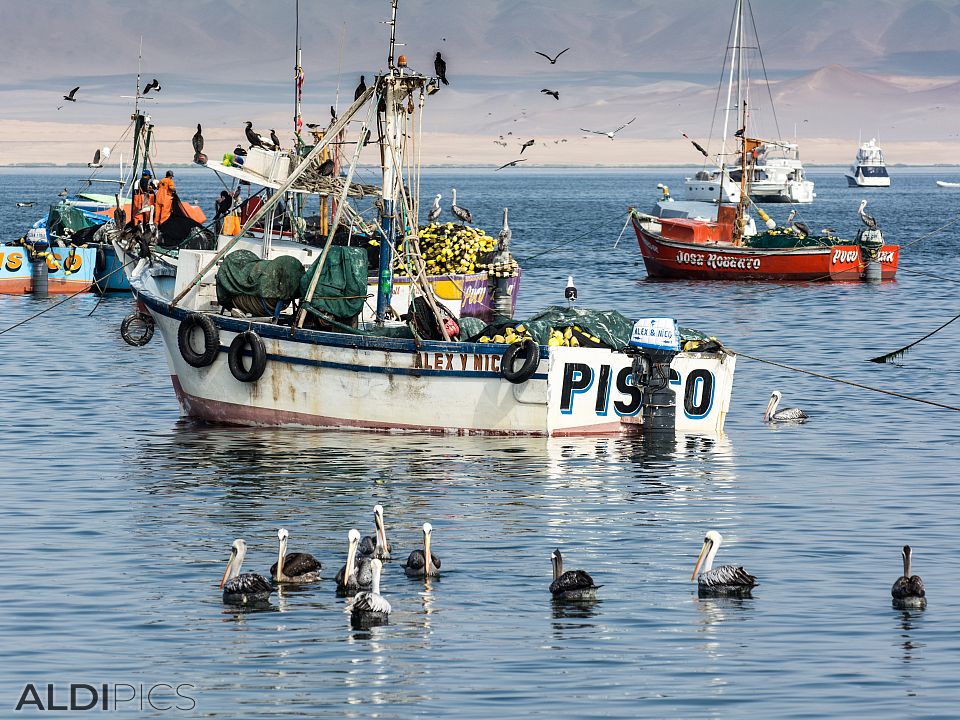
451	249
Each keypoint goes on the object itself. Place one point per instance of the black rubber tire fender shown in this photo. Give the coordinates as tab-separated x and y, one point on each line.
140	318
101	263
531	360
258	351
211	340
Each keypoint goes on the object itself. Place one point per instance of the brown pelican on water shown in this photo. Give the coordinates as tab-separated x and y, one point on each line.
423	563
907	591
786	415
724	580
370	607
245	589
460	213
356	574
572	584
376	546
296	567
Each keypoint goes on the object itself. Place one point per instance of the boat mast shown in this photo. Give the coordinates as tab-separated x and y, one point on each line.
297	79
390	141
747	145
734	65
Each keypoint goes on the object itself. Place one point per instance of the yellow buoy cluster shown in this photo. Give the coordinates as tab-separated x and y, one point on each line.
501	270
450	249
570	336
510	336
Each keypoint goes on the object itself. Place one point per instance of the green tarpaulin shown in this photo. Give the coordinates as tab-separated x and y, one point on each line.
64	217
342	288
243	273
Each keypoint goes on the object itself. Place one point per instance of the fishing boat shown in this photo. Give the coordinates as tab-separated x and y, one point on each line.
315	362
777	173
869	168
947	184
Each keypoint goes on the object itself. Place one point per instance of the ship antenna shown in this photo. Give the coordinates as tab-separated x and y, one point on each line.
393	33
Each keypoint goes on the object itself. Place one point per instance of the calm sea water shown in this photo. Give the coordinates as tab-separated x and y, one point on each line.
117	516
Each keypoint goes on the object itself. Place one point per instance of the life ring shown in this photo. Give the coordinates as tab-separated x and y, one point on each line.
137	329
530	361
258	352
211	340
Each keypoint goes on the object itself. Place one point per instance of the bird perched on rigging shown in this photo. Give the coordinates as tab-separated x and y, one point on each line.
254	138
553	60
274	139
771	414
152	85
327	167
611	133
724	580
527	144
376	545
423	563
356	574
440	67
436	210
245	589
866	219
294	567
197	140
361	89
333	114
63	193
572	584
802	227
460	213
512	163
907	591
369	607
555	93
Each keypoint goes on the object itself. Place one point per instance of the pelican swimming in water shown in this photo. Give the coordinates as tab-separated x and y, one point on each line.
355	575
370	607
376	546
435	211
786	415
296	567
423	563
246	589
907	591
866	219
460	213
724	580
572	584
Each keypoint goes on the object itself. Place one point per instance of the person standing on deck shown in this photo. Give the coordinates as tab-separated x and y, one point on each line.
165	195
140	198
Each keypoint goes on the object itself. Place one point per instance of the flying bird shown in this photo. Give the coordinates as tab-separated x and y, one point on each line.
555	93
802	227
907	591
294	567
512	163
440	67
786	415
435	211
254	138
361	89
96	160
69	97
572	584
724	580
553	60
612	132
866	219
527	144
274	139
152	85
460	213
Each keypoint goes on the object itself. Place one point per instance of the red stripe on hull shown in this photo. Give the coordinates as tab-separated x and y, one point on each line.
23	286
696	261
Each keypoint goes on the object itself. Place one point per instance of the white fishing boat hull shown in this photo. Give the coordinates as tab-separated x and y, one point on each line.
351	382
945	184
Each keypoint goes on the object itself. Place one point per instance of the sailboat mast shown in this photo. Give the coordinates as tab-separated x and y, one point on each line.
390	139
734	62
297	78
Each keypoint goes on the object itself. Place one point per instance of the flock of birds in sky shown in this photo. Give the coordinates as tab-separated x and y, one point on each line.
361	575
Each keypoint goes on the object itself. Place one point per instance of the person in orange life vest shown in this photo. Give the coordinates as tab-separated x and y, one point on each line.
140	195
165	193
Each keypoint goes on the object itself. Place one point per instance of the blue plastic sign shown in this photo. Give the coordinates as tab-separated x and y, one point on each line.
656	334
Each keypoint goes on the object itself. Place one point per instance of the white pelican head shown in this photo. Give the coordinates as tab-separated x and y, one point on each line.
238	551
711	543
381	530
772	405
282	536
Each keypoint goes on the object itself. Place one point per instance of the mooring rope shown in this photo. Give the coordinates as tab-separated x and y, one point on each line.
824	376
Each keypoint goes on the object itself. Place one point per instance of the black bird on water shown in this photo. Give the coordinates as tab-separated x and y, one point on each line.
254	138
527	144
572	584
440	67
361	89
553	60
907	591
555	93
152	85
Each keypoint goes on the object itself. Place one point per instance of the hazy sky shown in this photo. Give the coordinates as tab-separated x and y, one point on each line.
840	67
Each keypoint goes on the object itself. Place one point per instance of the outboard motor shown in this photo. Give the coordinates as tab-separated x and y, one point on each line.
870	241
653	345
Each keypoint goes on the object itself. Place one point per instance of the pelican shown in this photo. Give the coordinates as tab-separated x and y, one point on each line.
354	576
866	219
423	563
802	227
460	213
726	579
572	584
370	607
907	591
611	133
376	546
786	415
506	234
296	567
435	211
246	589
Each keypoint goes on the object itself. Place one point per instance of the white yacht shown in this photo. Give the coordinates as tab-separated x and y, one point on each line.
869	169
777	177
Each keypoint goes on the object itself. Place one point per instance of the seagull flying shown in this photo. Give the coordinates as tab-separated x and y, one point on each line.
512	163
555	93
152	85
612	132
440	67
553	60
527	144
69	97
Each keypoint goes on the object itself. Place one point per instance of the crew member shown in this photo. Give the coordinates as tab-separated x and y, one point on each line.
165	194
